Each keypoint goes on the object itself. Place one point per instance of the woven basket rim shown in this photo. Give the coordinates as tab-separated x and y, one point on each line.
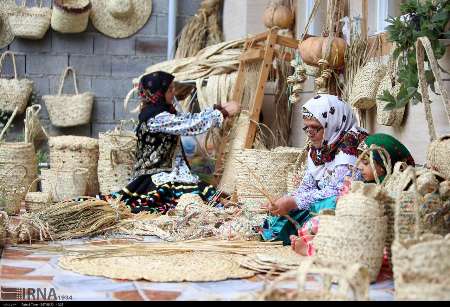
83	8
64	141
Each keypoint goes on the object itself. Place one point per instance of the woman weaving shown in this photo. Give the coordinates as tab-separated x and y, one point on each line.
161	172
332	130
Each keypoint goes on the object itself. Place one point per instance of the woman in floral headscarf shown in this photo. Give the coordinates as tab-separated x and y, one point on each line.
161	172
334	135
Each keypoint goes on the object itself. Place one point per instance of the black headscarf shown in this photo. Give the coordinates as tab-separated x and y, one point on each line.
152	89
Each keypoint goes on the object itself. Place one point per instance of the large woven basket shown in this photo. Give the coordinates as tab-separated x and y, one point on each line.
420	265
262	170
439	149
352	239
73	152
117	155
69	110
65	184
70	16
364	88
30	22
12	187
14	92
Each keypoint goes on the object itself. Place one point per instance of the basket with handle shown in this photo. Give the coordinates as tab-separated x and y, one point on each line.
37	201
30	22
69	110
439	149
352	282
70	16
420	266
14	92
389	83
65	184
365	85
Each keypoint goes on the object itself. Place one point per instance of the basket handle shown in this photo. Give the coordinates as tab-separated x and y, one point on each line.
63	79
32	183
10	120
410	172
423	45
24	2
384	154
13	58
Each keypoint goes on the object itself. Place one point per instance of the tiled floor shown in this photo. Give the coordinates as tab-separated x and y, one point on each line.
24	269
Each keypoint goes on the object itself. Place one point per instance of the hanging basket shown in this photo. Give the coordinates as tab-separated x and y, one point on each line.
30	22
14	92
439	149
72	152
69	110
70	16
420	265
65	184
365	85
116	160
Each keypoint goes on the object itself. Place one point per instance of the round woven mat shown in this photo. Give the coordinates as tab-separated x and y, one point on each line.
179	267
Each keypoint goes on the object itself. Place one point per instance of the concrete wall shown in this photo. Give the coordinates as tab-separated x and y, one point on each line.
104	65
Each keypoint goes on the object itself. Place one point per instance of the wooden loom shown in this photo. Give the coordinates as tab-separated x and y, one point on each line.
256	48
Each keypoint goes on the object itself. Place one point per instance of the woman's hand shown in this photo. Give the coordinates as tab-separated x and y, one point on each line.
282	206
231	107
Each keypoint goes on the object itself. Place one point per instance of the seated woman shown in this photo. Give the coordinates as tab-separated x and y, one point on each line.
303	244
161	173
332	129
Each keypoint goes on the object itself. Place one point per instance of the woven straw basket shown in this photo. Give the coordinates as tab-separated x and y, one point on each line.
70	16
351	239
421	267
30	22
69	110
263	170
439	149
117	155
73	152
37	201
365	85
3	227
64	184
12	187
14	92
352	283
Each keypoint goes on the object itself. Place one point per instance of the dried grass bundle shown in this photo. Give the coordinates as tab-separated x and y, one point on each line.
202	30
69	220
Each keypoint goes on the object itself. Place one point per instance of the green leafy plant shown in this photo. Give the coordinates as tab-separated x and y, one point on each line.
428	18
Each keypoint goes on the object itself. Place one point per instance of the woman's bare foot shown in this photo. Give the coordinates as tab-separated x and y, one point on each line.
299	245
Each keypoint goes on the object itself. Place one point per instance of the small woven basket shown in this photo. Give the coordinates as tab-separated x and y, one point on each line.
364	88
37	201
70	16
352	239
116	159
65	184
439	149
30	22
14	92
72	152
420	265
69	110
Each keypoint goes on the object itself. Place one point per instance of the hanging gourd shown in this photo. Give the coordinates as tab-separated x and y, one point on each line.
313	49
277	14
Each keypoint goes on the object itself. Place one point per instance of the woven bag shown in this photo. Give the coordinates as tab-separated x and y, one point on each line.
388	83
420	264
65	184
34	131
14	92
70	16
73	152
12	187
30	22
262	173
351	283
116	159
365	85
352	239
69	110
439	149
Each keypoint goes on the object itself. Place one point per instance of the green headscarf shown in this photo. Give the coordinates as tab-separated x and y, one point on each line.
397	151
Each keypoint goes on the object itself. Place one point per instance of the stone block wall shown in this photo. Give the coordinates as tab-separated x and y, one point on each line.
104	66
